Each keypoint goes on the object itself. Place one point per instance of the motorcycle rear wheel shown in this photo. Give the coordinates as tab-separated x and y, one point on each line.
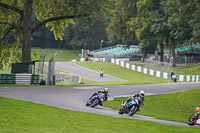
191	120
175	80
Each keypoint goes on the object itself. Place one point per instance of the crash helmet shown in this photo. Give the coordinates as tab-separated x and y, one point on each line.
106	90
142	93
198	109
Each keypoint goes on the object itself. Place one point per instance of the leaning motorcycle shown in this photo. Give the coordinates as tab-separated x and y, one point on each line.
131	107
193	119
96	100
174	78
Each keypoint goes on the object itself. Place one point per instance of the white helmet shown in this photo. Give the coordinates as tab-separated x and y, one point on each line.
142	93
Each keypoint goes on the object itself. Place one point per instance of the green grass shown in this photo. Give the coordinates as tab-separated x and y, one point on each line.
187	69
62	56
87	82
174	107
131	76
26	117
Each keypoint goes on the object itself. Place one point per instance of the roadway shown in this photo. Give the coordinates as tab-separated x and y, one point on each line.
84	72
75	98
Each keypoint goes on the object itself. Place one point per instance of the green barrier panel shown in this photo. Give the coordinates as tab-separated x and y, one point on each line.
7	78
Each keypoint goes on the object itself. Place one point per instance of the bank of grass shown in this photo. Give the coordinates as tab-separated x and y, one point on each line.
26	117
174	107
131	76
62	56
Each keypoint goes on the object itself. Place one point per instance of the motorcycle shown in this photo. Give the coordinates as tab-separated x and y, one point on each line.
101	74
174	78
193	119
96	100
131	107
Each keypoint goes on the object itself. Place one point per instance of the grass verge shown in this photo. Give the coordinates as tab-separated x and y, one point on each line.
63	55
25	117
174	107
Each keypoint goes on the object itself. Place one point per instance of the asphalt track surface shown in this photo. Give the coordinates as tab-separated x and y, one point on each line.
84	72
75	98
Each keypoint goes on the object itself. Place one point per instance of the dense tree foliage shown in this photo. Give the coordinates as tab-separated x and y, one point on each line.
147	23
122	13
17	19
87	36
153	22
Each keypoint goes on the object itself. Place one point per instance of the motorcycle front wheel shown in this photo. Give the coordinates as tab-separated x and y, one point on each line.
133	110
120	111
88	103
191	120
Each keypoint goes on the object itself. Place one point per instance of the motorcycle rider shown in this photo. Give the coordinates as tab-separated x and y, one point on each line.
141	101
173	76
105	91
101	72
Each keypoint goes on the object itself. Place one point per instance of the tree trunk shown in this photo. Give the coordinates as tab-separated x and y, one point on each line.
172	44
161	51
172	48
26	46
144	52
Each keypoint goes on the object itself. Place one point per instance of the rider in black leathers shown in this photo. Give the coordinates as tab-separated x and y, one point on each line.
105	91
141	101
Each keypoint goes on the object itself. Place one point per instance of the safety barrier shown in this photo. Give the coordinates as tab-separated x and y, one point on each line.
69	78
20	79
166	75
187	78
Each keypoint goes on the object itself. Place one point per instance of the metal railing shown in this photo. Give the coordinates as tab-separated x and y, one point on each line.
158	65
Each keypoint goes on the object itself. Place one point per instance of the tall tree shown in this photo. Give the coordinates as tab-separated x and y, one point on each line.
123	11
179	15
87	35
182	21
16	18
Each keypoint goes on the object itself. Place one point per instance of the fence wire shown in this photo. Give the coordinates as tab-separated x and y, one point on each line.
158	65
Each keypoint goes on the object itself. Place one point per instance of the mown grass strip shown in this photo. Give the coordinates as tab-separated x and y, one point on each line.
26	117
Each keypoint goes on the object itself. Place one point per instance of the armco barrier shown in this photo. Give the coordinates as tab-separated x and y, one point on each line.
187	78
20	79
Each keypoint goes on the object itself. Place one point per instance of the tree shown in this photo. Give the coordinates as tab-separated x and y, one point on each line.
16	18
122	12
184	20
152	22
142	24
86	35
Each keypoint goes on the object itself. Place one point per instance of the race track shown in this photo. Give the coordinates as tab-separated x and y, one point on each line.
84	72
74	98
